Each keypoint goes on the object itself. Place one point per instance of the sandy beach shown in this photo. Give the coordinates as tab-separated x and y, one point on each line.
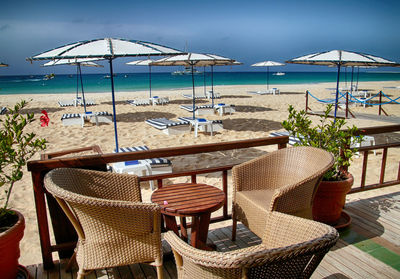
256	116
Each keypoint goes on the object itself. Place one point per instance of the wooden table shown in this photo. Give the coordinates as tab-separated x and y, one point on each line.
189	200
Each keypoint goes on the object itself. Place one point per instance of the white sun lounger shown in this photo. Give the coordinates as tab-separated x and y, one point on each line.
102	117
224	108
199	110
272	91
143	167
75	102
209	95
204	125
155	100
69	119
169	127
189	96
367	140
139	102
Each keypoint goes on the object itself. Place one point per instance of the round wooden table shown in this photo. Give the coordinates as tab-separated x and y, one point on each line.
189	200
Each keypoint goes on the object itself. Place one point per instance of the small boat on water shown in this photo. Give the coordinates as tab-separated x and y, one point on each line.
278	74
50	76
186	71
108	76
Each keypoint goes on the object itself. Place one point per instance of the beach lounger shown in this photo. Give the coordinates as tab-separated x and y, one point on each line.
273	91
199	110
367	140
3	110
75	102
102	117
169	127
189	96
209	95
69	119
151	166
204	125
292	140
159	100
224	108
139	102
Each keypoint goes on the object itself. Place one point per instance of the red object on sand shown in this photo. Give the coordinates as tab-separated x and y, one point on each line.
44	119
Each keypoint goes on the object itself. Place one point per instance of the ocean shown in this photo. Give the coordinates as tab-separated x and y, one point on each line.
35	84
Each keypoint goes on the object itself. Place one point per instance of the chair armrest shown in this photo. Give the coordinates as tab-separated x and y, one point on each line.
286	230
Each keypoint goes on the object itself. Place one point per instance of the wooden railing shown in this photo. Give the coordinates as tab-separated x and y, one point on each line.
385	147
64	233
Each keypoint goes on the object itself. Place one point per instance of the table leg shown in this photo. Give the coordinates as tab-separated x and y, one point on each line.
183	226
170	224
199	234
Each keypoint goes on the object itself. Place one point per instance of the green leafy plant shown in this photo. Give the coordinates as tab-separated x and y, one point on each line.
329	135
16	148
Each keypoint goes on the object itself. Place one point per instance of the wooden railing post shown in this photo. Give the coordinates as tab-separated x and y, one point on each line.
225	189
383	166
41	215
306	101
364	168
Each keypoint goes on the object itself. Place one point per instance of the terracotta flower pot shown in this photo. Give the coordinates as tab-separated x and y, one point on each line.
9	248
330	199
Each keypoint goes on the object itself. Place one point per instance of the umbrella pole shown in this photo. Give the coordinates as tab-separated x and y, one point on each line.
337	92
267	78
358	74
150	79
204	76
212	85
351	84
83	93
113	102
193	96
77	82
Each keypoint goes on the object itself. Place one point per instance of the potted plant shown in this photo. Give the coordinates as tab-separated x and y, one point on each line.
16	148
333	136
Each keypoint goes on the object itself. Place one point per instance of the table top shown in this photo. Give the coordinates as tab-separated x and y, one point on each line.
188	199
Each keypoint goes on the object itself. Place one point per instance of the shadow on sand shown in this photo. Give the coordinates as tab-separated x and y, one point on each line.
142	116
251	124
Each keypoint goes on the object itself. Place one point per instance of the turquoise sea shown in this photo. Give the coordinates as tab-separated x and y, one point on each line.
140	81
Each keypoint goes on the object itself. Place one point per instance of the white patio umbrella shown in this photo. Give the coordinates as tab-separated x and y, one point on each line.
106	48
341	58
145	62
88	62
267	64
193	60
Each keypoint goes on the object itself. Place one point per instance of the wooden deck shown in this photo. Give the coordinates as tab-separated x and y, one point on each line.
369	248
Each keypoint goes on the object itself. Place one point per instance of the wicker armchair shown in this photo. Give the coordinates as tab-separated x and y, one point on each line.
114	227
285	180
291	248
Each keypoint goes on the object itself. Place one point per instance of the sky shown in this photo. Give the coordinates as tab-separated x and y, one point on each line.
248	31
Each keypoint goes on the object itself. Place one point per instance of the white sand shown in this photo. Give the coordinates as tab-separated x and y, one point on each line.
256	116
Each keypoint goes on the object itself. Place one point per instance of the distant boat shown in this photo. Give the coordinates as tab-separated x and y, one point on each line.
187	71
108	76
279	74
50	76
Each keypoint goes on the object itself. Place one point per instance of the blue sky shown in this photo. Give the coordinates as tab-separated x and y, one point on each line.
248	31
